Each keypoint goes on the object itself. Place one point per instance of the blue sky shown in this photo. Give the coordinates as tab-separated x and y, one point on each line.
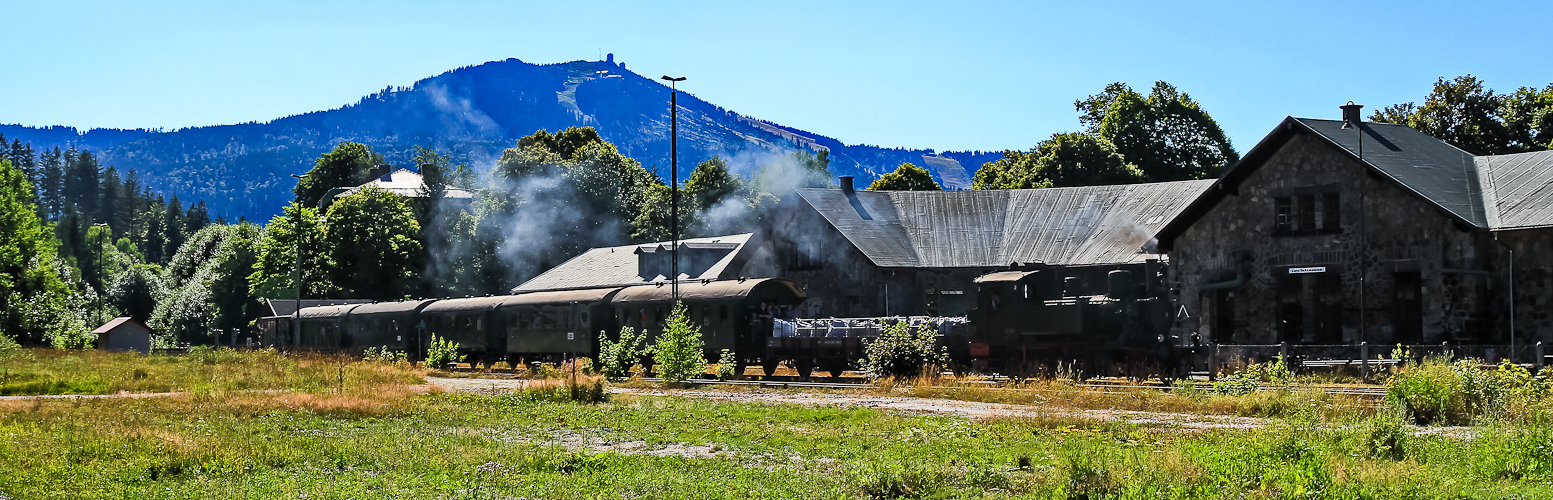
943	75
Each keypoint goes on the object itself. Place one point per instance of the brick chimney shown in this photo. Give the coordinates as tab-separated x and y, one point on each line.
378	171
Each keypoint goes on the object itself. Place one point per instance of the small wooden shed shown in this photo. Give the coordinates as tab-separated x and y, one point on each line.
124	334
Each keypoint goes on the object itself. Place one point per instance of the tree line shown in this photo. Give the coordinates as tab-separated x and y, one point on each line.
1467	114
75	231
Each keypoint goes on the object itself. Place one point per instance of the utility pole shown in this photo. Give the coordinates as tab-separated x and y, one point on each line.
101	233
674	186
296	312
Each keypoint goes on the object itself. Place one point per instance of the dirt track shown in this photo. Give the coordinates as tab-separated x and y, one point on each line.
967	409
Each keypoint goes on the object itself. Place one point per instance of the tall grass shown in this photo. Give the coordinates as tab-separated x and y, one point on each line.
202	371
1440	390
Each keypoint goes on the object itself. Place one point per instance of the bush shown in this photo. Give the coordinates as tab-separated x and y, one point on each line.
385	355
71	333
678	351
727	365
441	352
616	358
899	352
1440	391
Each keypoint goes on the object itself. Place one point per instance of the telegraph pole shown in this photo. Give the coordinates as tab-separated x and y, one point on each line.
674	186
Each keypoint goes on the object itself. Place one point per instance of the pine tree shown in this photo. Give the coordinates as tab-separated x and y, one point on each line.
52	187
197	218
156	231
108	201
134	210
82	176
172	228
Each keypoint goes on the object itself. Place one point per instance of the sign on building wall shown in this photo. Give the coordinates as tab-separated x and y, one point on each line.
1308	270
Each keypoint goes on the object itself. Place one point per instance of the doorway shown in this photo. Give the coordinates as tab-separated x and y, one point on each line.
1407	307
1310	307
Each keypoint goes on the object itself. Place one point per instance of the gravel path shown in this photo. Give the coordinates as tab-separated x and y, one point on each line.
967	409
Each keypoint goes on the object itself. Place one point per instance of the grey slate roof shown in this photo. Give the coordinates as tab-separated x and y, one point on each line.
1059	226
618	266
1497	193
1517	189
1434	169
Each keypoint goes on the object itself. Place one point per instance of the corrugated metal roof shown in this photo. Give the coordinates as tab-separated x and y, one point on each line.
592	295
618	266
287	307
326	312
724	289
402	306
1436	170
1517	189
1059	226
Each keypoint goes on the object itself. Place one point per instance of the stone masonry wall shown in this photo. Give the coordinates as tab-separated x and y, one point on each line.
1396	231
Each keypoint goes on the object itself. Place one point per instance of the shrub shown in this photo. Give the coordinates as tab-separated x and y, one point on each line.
678	351
727	365
71	333
616	358
441	352
385	355
1440	391
900	352
8	346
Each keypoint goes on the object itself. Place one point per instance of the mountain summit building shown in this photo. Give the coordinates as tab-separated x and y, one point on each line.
1341	232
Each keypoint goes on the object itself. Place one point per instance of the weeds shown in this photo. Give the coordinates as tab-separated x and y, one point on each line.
616	358
442	352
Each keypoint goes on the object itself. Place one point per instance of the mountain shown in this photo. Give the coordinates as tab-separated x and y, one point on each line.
474	112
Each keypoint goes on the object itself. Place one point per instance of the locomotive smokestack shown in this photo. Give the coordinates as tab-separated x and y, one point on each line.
846	184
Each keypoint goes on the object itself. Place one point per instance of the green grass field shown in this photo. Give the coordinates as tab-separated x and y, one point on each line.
380	437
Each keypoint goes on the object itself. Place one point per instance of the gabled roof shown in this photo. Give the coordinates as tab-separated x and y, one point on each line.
1432	168
1497	193
117	322
620	266
1435	171
1517	189
1059	226
408	184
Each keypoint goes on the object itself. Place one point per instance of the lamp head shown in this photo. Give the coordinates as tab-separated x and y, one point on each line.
673	79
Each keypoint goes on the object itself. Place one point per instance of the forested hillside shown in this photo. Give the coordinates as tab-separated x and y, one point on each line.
474	113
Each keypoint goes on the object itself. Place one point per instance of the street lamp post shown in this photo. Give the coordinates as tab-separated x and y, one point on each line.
674	185
296	312
100	290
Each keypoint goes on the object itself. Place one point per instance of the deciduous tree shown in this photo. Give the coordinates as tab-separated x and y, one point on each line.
1167	136
346	166
374	246
906	177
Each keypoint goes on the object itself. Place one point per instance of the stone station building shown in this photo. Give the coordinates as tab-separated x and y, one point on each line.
1337	232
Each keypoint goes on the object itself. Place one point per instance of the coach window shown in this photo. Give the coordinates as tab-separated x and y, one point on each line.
722	314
